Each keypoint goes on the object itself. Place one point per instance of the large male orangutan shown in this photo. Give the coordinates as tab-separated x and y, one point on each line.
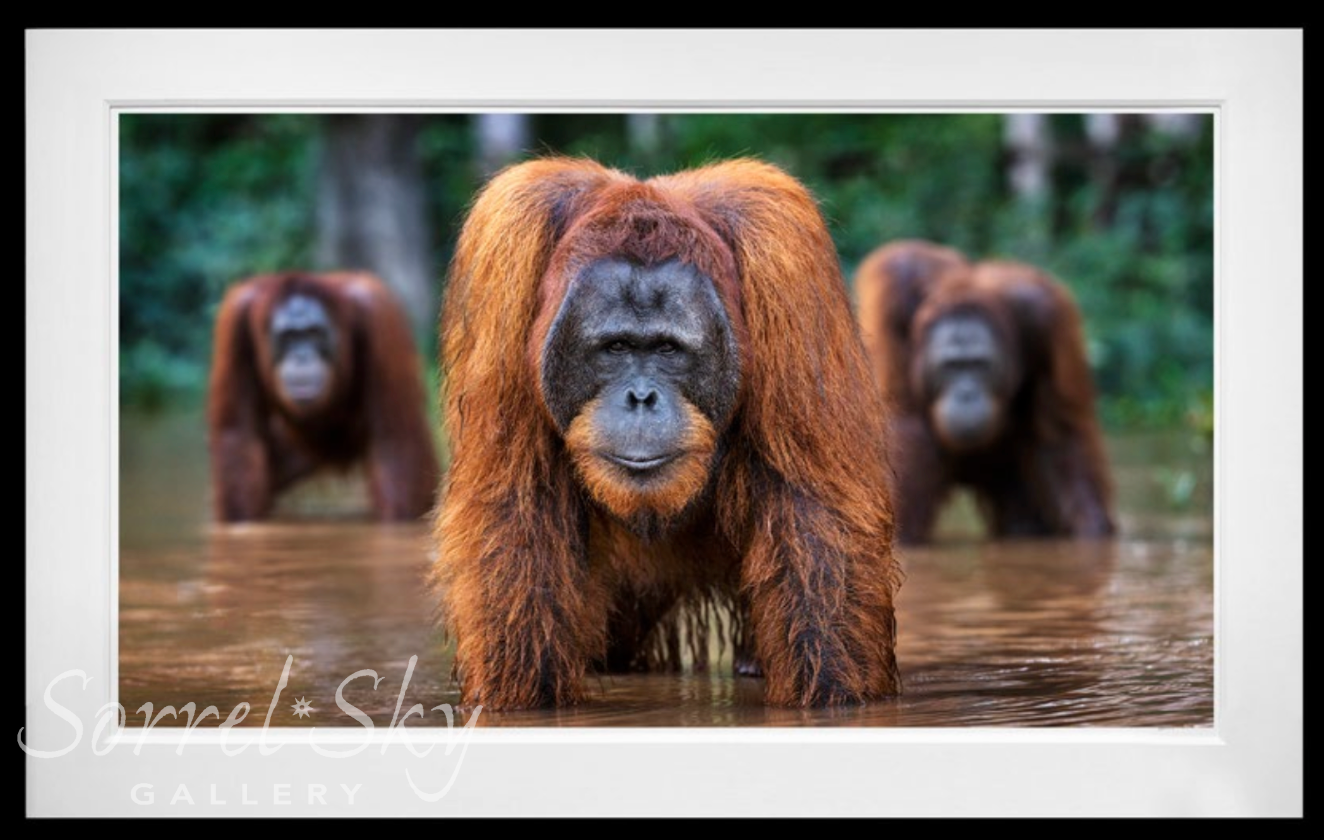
313	370
985	372
657	401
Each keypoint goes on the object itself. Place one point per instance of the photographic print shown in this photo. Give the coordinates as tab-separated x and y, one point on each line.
944	461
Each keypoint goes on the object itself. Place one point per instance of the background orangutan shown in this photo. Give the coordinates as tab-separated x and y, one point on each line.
985	370
313	370
658	401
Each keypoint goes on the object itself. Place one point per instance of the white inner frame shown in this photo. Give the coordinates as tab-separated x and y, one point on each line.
1250	763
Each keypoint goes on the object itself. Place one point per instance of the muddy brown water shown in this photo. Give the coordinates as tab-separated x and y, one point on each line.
1028	633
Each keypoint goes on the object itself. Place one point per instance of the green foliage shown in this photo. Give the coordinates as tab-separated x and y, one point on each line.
447	153
206	199
877	177
152	378
1145	283
1200	415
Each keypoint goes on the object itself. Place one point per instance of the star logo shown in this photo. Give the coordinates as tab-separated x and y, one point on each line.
302	707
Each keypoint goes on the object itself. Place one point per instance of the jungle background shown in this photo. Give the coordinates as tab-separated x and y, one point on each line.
1118	206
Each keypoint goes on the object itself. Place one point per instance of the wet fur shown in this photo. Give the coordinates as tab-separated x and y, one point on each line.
542	568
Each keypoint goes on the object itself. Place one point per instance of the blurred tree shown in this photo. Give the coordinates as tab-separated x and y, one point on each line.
1104	132
1030	152
371	211
501	139
644	132
1183	126
1030	155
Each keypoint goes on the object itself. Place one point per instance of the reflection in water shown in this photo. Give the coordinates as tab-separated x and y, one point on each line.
1018	633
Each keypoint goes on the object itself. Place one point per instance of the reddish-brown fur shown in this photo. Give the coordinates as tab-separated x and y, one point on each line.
376	412
1048	474
793	527
666	496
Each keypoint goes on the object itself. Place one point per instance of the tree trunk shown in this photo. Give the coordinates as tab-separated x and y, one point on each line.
1030	160
1182	126
371	210
1104	131
644	132
501	139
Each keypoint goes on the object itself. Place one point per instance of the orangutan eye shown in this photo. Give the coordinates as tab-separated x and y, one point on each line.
618	347
666	348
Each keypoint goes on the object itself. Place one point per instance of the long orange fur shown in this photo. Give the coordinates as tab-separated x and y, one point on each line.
793	526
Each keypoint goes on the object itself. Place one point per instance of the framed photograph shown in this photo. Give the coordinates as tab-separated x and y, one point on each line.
219	636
